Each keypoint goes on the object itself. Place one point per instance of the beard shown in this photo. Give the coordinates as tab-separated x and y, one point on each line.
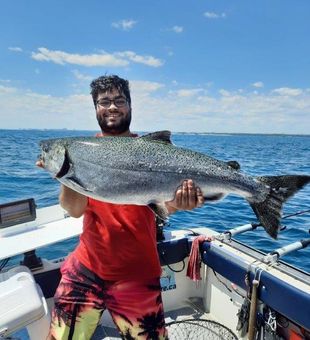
119	126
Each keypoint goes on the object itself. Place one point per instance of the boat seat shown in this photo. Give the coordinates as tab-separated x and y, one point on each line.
22	304
271	290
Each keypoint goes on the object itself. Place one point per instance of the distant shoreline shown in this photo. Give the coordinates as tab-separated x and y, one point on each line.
177	132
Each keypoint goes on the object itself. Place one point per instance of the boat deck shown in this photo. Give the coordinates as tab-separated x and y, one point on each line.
193	309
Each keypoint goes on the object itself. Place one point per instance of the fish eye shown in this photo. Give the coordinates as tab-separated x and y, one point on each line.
45	148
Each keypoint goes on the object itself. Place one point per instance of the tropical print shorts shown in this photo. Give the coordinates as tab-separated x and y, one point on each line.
135	306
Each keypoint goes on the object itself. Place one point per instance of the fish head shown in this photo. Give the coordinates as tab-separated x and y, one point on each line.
54	157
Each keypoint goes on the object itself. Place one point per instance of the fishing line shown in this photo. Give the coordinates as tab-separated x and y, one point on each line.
286	216
297	213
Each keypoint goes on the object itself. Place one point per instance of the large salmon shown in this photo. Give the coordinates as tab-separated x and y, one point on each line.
148	169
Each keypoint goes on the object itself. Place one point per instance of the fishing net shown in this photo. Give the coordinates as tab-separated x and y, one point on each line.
198	329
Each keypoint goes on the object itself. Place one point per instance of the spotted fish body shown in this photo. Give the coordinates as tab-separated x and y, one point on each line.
147	170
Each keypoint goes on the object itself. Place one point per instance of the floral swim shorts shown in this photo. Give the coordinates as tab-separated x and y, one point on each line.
135	306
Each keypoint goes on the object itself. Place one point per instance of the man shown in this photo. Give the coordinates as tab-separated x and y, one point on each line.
116	265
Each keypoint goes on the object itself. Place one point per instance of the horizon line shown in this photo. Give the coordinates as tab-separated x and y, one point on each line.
173	132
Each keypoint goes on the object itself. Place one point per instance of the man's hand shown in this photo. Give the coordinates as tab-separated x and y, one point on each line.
187	197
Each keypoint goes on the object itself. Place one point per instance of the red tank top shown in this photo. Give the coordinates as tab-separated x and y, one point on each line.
119	241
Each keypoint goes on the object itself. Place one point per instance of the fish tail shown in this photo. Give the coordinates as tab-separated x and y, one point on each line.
281	189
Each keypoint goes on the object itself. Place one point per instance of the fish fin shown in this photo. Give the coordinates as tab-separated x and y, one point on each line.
77	184
159	210
234	164
281	189
159	136
214	197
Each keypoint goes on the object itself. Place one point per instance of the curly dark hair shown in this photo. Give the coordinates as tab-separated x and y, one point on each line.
108	83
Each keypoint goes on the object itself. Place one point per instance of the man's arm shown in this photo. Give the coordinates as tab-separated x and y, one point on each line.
187	197
72	201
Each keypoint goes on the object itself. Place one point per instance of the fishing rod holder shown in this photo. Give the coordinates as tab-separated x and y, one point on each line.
274	256
228	234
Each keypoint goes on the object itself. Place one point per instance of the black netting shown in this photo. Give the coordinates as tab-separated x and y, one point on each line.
198	329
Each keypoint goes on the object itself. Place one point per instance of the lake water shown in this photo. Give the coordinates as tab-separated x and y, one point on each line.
257	154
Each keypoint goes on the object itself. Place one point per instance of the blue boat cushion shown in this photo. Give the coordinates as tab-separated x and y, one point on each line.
277	294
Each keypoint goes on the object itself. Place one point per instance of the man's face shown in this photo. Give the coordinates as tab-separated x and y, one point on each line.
113	112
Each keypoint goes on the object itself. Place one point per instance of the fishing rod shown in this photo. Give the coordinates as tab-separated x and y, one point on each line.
228	234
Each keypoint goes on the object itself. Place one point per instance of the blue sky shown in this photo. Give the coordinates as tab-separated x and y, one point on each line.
194	66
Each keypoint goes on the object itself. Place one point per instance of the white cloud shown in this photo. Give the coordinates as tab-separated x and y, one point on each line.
232	111
118	59
258	84
15	49
224	93
124	25
80	76
6	90
5	81
145	87
213	15
21	108
177	29
285	91
188	92
156	106
147	60
62	58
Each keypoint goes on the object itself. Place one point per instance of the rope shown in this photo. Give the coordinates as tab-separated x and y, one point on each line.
194	261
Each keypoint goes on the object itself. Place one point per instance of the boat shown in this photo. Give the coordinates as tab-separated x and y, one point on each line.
243	293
